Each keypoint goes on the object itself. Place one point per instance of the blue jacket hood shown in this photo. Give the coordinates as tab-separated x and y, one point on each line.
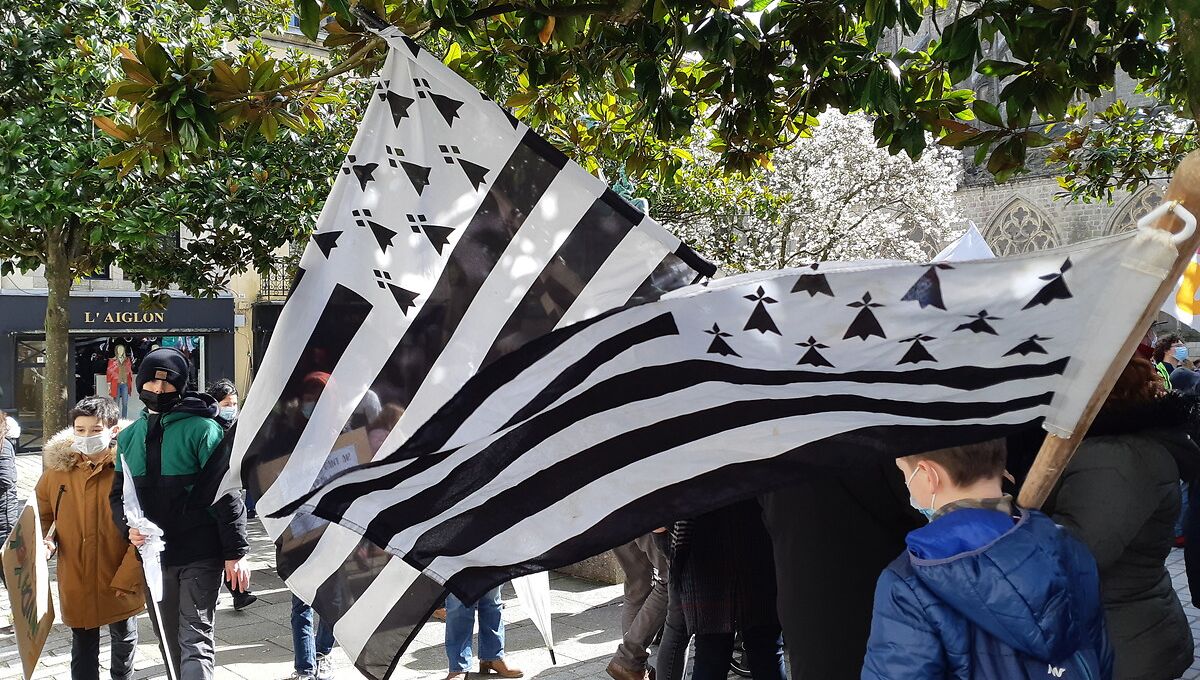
1016	583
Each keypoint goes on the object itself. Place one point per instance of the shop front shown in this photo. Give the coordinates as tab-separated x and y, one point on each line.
109	333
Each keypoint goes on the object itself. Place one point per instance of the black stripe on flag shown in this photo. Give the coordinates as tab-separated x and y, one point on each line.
343	314
648	383
713	489
671	273
705	268
472	528
532	167
401	625
586	248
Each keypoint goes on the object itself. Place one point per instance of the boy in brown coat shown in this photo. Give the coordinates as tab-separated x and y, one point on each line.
100	580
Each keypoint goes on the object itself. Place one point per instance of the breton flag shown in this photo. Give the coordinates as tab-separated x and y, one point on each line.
602	431
453	235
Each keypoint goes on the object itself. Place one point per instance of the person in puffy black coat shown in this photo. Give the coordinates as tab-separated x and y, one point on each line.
10	505
986	591
1120	496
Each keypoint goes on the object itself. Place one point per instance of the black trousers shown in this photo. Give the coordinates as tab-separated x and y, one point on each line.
85	651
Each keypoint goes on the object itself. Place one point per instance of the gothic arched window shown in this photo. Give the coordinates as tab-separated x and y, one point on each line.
1020	228
1135	208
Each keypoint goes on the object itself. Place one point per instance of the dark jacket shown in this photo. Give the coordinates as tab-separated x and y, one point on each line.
725	570
977	597
1120	496
10	505
1185	381
174	459
832	534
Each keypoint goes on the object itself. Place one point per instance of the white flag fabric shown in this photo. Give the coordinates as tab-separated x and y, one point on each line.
453	235
605	430
969	246
533	592
151	550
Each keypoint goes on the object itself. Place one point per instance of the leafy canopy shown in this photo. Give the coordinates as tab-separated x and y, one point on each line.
62	198
653	74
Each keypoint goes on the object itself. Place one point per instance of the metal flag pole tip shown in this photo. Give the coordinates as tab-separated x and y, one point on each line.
369	18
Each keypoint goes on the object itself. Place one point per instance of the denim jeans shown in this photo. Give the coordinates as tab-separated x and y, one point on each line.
460	625
305	642
764	652
123	400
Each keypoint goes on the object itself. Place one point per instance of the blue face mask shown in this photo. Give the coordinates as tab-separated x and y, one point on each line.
1181	352
926	512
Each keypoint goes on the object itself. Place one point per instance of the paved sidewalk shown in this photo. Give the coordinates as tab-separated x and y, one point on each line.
256	644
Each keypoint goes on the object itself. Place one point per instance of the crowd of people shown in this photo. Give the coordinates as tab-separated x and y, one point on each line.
966	584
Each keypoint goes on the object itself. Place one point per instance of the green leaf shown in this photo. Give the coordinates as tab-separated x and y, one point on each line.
757	5
999	69
156	60
1035	139
987	112
310	17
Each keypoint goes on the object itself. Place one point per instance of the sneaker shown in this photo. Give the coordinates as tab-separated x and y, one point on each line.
297	675
243	600
324	667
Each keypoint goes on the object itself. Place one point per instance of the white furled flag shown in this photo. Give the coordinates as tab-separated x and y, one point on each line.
603	431
969	246
453	235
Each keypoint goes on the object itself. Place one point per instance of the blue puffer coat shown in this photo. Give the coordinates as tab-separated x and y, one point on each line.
977	596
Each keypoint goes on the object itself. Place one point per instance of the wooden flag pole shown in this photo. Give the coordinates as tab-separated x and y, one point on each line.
1056	452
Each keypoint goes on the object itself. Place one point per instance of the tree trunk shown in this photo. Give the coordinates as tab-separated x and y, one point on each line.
1186	15
58	342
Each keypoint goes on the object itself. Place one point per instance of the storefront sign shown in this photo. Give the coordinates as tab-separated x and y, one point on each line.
130	318
27	575
124	313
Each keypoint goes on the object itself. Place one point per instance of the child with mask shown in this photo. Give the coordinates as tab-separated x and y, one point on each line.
99	576
174	456
986	590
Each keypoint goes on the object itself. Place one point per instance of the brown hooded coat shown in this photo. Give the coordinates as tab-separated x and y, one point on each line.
99	577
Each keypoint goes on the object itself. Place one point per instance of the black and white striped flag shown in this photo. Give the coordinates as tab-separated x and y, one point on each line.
602	431
453	235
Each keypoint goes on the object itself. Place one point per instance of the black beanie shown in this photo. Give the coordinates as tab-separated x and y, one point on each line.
164	363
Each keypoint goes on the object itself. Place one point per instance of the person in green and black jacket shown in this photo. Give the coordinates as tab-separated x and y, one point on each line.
173	453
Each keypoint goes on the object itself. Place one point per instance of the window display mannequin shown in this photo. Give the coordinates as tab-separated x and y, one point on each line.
120	377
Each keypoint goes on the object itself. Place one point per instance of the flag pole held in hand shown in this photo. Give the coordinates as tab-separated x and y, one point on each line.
1182	201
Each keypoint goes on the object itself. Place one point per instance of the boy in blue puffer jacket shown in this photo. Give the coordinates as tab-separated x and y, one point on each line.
986	590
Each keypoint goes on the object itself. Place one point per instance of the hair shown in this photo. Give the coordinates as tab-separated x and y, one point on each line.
222	388
102	408
1165	343
968	464
1138	384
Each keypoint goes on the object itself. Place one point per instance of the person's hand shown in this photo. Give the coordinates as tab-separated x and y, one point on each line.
237	574
660	530
137	538
51	547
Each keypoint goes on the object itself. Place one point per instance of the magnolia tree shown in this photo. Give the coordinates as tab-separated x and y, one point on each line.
833	196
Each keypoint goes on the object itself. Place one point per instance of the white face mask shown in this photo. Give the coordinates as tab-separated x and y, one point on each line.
90	446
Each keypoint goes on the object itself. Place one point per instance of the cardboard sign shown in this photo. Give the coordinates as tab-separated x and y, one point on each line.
27	575
351	448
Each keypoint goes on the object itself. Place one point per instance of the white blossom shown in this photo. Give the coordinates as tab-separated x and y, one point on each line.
842	198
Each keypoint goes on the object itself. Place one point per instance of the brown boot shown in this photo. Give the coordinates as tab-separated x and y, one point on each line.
619	672
456	676
500	668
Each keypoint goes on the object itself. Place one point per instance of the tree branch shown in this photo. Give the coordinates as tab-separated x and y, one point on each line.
364	55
